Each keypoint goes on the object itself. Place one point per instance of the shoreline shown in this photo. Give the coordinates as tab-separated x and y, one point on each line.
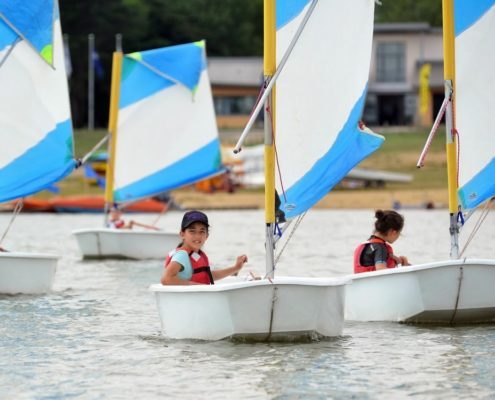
338	199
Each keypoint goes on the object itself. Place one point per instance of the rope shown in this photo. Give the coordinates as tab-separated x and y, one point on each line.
165	207
481	219
269	112
17	210
457	139
299	219
461	275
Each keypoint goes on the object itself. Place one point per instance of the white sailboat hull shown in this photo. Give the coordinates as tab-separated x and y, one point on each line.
25	273
453	291
287	309
124	243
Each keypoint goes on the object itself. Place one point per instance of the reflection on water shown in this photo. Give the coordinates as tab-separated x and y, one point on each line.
98	336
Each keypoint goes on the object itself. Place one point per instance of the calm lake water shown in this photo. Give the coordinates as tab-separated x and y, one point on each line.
97	336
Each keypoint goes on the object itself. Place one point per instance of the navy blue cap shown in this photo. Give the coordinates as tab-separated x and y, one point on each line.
191	217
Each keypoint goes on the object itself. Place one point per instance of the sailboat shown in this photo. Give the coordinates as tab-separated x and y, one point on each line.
459	290
320	91
35	125
163	136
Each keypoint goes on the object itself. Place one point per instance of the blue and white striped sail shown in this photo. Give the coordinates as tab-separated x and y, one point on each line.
167	133
475	99
320	96
35	120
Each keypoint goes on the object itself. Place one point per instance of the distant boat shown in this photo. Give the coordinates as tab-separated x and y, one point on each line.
88	204
164	136
459	290
320	94
248	171
35	125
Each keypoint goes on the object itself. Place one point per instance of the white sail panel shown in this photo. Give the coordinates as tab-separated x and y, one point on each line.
35	121
475	100
319	99
158	137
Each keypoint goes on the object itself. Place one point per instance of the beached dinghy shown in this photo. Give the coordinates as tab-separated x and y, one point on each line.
312	138
165	136
458	290
35	125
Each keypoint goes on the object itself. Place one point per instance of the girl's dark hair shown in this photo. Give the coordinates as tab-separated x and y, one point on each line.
388	219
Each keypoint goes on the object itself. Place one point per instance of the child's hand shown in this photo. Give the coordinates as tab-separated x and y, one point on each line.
241	260
402	260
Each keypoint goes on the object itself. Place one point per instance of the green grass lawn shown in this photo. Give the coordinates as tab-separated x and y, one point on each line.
399	153
85	140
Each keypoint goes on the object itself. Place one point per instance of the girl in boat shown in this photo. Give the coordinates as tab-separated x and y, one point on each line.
117	222
376	253
188	264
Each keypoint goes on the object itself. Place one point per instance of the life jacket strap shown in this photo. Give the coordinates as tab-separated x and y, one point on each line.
206	269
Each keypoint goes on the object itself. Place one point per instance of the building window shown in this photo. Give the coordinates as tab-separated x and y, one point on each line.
390	62
234	105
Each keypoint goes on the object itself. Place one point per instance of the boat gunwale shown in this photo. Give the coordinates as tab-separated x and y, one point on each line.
422	267
122	232
278	281
26	255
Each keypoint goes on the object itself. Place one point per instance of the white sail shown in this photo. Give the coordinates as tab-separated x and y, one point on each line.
35	120
320	96
474	99
167	134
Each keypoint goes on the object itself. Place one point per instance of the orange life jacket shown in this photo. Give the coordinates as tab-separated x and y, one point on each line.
359	251
201	266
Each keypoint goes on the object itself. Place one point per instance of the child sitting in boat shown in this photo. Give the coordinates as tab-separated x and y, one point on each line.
188	264
117	222
376	253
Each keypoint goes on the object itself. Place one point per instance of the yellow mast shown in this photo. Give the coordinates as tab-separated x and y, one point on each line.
269	67
112	125
449	78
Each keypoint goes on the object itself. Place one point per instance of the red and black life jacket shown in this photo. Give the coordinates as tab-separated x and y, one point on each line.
117	224
359	251
201	266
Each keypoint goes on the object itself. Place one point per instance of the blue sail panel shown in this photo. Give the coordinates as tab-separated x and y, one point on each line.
352	146
467	12
146	73
287	10
182	63
7	36
198	165
48	161
139	82
33	20
480	188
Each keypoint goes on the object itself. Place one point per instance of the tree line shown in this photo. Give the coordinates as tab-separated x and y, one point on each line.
230	28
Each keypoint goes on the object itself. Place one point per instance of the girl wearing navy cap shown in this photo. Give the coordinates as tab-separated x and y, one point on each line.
188	264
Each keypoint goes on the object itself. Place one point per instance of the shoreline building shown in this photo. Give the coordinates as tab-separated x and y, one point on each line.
405	85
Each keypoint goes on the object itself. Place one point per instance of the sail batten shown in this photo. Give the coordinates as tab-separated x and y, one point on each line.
320	97
474	99
167	134
35	118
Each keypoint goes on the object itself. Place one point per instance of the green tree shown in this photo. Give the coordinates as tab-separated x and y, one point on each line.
410	11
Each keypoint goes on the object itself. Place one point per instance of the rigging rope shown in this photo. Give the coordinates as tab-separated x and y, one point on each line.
298	221
481	219
269	112
17	210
